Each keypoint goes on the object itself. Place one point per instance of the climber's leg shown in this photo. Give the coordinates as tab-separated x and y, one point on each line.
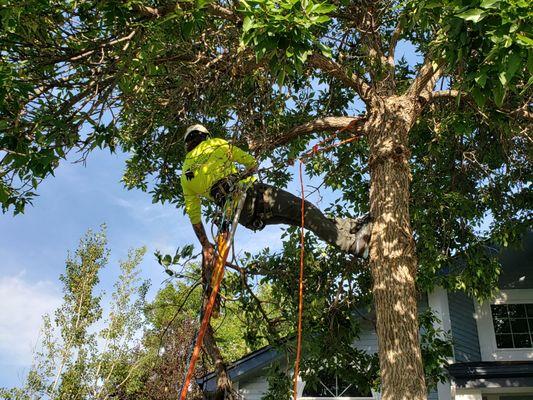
281	207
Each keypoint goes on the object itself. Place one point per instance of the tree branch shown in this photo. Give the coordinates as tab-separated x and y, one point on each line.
425	81
521	112
327	124
213	9
368	27
394	42
450	93
337	71
224	387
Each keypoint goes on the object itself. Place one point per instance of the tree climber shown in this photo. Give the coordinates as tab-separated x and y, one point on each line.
210	172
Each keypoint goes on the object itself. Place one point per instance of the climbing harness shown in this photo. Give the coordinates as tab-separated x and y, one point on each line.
224	240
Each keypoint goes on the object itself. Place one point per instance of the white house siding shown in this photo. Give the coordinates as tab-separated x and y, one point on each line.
368	338
255	387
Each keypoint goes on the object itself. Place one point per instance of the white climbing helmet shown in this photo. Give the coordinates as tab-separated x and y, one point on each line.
195	128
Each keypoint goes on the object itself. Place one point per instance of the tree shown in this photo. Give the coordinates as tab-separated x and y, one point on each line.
74	360
173	323
443	148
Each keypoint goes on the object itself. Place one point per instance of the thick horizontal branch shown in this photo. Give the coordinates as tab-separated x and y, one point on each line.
326	124
337	71
450	93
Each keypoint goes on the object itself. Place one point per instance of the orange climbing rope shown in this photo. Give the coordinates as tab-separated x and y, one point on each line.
224	240
216	279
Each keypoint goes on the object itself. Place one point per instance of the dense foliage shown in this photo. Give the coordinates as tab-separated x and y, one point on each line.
273	76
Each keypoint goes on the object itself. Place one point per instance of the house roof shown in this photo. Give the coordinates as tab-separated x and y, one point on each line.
244	366
516	273
492	373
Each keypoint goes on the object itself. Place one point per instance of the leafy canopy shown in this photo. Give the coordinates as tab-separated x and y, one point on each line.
273	76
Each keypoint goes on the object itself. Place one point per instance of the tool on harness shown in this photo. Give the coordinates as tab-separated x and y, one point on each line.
226	186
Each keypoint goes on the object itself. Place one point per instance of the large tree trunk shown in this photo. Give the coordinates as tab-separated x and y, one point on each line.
392	257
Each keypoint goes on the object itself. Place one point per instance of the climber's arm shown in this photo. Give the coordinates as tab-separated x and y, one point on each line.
244	158
193	208
207	247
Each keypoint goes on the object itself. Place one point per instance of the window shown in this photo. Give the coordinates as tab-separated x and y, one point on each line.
513	325
331	386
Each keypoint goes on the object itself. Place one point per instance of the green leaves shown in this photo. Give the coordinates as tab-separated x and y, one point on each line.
513	63
83	351
437	348
489	42
489	3
475	15
284	32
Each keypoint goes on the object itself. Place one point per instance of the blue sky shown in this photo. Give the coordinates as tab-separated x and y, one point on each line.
34	245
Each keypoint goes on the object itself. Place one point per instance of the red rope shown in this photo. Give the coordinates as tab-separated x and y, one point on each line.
319	147
315	150
300	288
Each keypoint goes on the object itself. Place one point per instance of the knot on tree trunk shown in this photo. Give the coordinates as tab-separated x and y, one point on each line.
396	152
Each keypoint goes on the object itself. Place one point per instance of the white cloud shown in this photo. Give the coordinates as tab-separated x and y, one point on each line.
141	208
23	305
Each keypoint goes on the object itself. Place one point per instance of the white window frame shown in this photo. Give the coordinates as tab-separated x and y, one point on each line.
375	396
485	327
301	386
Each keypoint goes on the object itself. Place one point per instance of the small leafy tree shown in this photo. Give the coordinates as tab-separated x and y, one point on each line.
75	360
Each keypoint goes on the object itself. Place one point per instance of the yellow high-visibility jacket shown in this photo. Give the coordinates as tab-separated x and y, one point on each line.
207	163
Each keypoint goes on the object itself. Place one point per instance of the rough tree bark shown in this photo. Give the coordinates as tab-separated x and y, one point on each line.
392	256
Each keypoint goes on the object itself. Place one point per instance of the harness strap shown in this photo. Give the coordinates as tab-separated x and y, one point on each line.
225	187
222	188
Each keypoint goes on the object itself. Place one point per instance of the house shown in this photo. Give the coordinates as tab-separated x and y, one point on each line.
492	343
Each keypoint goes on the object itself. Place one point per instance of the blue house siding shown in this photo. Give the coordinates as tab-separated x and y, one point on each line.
464	328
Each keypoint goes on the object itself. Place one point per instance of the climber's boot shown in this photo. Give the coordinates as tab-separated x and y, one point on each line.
361	245
353	235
